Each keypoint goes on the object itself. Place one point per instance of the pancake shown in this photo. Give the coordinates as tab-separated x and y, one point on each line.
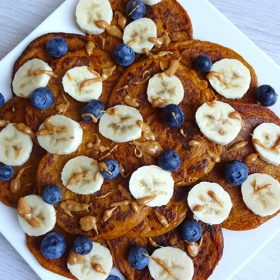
197	161
163	219
13	111
189	50
210	252
170	18
241	218
123	218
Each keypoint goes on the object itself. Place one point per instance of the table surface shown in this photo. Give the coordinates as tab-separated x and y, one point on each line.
259	20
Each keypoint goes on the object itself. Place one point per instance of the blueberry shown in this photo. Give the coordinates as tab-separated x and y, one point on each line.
42	98
53	246
169	160
57	47
236	172
113	169
6	172
138	257
95	108
113	277
190	230
2	100
123	55
135	9
52	194
173	116
82	245
266	95
203	64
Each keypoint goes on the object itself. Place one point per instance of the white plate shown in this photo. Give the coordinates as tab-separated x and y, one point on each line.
209	24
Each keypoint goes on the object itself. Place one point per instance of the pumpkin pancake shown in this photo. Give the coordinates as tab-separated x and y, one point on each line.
189	50
242	218
163	219
170	18
197	160
12	191
210	252
122	218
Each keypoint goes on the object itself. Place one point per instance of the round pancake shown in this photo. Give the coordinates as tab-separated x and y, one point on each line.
189	50
210	252
13	111
170	18
197	161
241	218
174	213
123	218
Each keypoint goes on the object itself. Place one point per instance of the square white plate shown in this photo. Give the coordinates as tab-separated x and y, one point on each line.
209	24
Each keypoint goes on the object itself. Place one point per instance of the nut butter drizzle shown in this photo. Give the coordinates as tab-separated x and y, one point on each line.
130	101
98	268
93	118
24	129
122	172
75	258
193	248
145	77
273	148
238	146
97	145
164	40
155	56
50	129
76	178
15	184
162	220
4	123
108	213
173	67
89	48
147	132
109	153
112	30
88	223
42	72
63	107
215	158
258	189
121	19
251	158
25	211
235	115
124	192
69	206
152	148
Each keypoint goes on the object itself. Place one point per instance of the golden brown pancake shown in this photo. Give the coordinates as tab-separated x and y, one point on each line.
189	50
123	218
210	252
13	111
170	17
241	218
196	162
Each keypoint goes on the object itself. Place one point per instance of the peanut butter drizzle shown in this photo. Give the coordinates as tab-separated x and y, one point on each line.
88	82
108	214
197	208
63	107
121	19
193	143
251	158
145	77
120	203
42	72
96	176
238	145
153	243
97	146
164	266
4	123
93	118
130	101
103	167
112	111
146	199
164	40
89	48
110	29
193	248
73	206
173	67
109	153
25	211
77	177
182	132
215	198
147	132
163	221
124	192
155	56
213	157
15	184
273	148
24	129
152	148
258	189
134	206
98	268
132	41
211	103
88	223
50	129
158	101
235	115
122	172
74	258
108	72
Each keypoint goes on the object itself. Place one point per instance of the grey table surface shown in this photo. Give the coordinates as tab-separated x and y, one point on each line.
259	20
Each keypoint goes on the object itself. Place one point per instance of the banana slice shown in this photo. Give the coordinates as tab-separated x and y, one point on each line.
119	124
33	74
209	202
96	265
81	175
60	135
35	216
230	78
171	263
153	183
219	122
266	140
15	146
151	2
137	34
82	83
169	90
261	194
